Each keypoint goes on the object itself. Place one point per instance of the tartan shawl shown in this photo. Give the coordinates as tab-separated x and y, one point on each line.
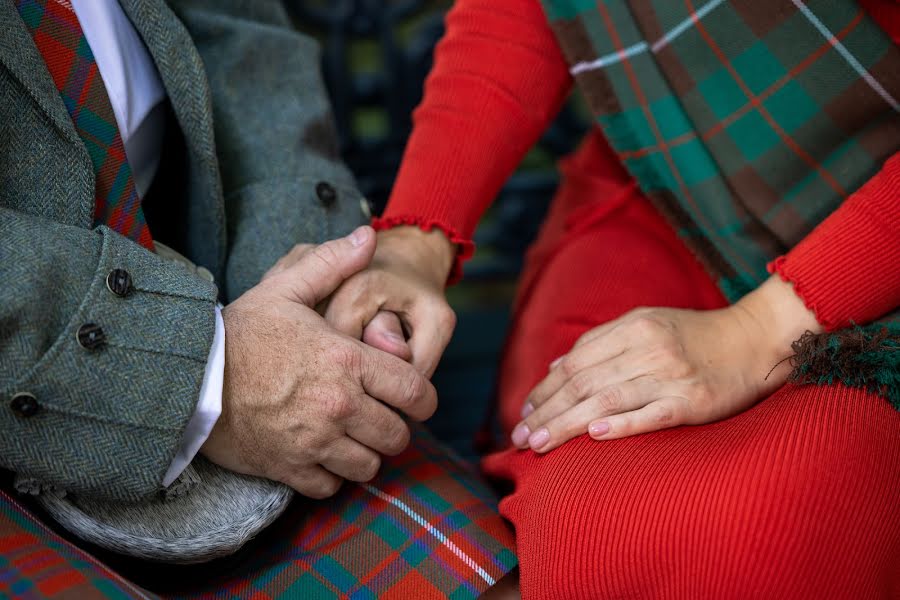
747	122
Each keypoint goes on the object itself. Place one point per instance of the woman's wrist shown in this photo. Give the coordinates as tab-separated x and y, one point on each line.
778	317
430	252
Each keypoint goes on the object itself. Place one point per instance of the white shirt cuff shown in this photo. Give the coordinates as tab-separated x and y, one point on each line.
209	408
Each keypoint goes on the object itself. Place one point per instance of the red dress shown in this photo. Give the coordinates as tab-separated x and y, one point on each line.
795	498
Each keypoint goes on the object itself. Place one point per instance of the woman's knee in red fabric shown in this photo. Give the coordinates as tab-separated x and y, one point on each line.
555	513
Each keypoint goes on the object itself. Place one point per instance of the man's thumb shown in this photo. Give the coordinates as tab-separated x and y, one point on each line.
325	267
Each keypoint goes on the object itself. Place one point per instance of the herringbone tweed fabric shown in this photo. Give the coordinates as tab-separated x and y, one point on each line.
425	528
238	194
60	39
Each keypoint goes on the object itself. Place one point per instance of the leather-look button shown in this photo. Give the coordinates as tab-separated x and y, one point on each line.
25	405
204	273
326	193
90	336
366	207
119	282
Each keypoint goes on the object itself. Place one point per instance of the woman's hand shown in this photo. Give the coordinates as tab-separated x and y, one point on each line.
406	278
655	368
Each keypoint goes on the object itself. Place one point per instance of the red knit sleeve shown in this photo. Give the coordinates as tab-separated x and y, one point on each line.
847	270
498	80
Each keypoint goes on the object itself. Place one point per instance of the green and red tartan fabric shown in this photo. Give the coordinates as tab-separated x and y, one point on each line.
425	528
746	121
61	41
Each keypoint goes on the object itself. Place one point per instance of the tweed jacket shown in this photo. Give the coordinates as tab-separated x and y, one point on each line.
249	142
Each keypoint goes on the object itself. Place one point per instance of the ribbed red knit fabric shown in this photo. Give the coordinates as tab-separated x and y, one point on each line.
848	269
499	79
795	498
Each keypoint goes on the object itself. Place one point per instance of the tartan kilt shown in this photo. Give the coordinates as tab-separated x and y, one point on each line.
426	527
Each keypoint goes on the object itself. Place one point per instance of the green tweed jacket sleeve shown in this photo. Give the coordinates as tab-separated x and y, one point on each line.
105	421
263	174
276	143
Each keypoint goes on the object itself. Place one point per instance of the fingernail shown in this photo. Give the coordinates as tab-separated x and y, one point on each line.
527	409
539	438
598	429
520	435
359	236
394	338
556	362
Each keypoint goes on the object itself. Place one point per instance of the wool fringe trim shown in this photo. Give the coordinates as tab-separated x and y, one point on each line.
862	357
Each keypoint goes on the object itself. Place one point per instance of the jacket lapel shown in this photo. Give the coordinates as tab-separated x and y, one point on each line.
23	60
184	78
19	54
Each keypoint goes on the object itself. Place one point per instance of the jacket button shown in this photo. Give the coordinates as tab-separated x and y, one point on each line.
90	336
326	193
119	282
366	207
25	405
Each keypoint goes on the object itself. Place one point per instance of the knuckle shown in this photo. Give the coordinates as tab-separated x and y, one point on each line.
680	368
701	395
277	472
316	488
447	319
396	439
579	386
663	416
327	487
345	355
669	352
414	389
644	326
610	400
584	338
568	367
364	284
370	467
325	253
339	406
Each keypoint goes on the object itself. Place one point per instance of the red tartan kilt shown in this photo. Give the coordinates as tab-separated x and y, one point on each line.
427	527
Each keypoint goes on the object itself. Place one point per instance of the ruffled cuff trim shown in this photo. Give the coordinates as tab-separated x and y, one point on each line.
465	247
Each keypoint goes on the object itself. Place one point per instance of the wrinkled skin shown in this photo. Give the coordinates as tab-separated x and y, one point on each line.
303	403
650	369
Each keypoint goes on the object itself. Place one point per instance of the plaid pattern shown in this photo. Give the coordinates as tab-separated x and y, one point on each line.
37	563
746	122
60	40
425	528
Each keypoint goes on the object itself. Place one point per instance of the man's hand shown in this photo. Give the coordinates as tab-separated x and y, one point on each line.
303	403
661	367
407	278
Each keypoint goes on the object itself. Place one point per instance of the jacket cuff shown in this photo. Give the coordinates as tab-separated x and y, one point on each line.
209	407
116	389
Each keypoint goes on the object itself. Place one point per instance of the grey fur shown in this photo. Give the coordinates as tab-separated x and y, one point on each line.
221	514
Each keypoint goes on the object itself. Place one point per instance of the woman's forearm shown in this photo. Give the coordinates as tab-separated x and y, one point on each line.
498	80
